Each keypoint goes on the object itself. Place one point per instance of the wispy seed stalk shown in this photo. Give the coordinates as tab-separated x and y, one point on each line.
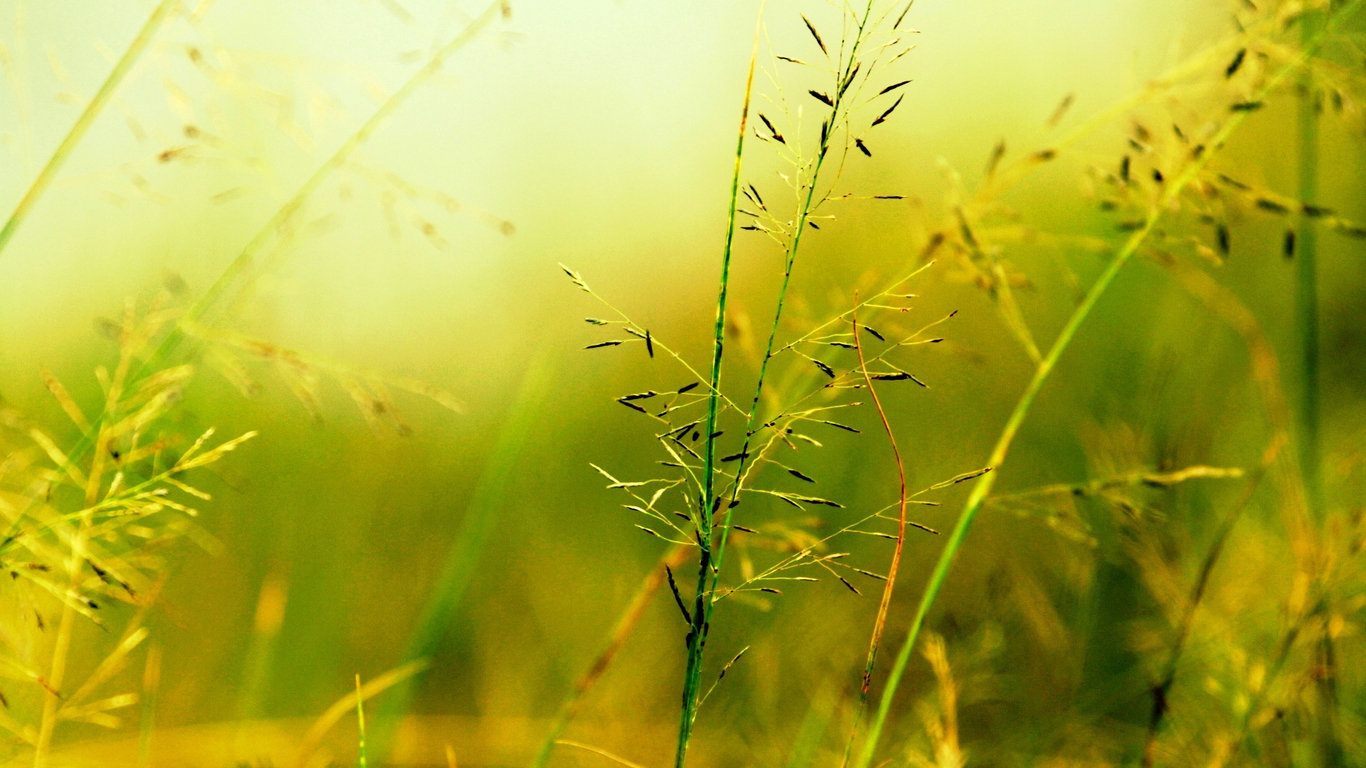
87	118
247	256
788	265
709	574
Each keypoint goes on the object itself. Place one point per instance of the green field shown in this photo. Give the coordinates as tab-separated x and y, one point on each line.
791	384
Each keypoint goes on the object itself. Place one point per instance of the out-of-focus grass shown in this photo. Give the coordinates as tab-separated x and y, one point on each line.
601	133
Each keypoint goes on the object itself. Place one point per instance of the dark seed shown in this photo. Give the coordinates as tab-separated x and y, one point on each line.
1236	64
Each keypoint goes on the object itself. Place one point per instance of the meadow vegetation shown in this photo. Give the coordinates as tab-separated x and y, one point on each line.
1144	323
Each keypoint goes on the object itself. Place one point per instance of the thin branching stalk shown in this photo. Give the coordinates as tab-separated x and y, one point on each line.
712	552
92	110
983	486
697	633
880	624
790	258
625	625
712	556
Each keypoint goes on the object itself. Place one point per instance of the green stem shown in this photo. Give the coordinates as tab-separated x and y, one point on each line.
788	264
701	613
709	568
86	119
998	455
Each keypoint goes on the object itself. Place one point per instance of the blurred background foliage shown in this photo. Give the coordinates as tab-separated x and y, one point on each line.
598	134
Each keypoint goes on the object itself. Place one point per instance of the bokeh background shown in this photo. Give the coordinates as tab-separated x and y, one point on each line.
600	134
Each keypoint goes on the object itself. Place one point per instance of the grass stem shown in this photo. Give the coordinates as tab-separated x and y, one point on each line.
702	605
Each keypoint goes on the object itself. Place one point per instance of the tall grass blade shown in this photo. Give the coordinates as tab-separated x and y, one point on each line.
702	607
362	760
462	561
